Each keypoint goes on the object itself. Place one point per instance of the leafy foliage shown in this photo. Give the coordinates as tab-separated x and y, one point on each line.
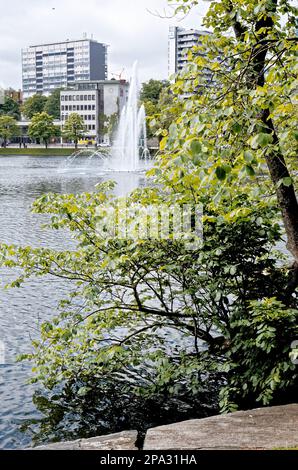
42	127
152	89
152	314
11	108
74	128
52	105
108	125
153	94
34	105
8	128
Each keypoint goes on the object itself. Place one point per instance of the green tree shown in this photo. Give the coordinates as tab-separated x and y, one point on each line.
42	127
150	96
155	314
10	108
108	125
151	90
52	105
248	118
8	128
34	105
160	317
161	116
74	128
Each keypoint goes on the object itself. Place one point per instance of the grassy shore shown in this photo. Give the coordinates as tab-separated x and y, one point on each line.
37	151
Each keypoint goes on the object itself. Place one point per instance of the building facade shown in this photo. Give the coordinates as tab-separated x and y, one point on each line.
59	65
16	95
93	100
181	41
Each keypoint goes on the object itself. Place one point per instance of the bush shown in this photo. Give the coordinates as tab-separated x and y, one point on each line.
160	318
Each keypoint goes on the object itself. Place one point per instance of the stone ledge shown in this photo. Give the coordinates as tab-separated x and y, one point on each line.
264	428
125	440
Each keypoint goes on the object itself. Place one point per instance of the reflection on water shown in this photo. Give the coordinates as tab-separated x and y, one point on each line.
22	179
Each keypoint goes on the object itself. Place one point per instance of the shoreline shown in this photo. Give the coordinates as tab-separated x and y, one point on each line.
37	152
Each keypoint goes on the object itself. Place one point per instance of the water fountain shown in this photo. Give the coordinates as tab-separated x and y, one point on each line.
130	151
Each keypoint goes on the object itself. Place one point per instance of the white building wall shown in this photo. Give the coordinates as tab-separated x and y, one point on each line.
172	51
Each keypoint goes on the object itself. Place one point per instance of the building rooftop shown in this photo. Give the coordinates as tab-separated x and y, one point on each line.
68	40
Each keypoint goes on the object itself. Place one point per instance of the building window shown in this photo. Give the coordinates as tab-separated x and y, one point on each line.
66	108
70	107
85	97
81	97
62	108
85	107
74	107
66	98
93	107
62	97
89	107
93	97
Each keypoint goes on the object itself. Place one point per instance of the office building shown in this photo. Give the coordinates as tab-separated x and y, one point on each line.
181	41
47	67
92	100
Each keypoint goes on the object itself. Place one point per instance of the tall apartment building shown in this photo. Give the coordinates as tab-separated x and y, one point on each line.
180	42
58	65
91	100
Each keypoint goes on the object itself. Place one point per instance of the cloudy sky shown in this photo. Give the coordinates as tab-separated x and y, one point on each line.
132	28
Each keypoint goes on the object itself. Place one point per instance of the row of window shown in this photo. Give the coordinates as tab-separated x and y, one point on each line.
86	117
90	127
77	97
82	107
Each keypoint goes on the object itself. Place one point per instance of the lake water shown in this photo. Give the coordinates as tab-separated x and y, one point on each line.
22	180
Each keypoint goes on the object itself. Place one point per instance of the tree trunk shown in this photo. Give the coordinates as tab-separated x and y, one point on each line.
275	160
286	196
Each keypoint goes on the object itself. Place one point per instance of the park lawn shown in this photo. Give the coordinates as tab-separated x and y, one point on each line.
37	151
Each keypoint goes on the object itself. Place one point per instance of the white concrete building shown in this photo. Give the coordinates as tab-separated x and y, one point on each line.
180	42
46	67
92	100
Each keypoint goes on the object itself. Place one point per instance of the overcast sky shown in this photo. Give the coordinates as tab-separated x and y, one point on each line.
129	27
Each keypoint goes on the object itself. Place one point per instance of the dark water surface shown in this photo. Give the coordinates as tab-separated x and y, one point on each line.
22	180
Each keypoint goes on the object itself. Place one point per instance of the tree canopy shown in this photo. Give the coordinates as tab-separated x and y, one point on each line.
152	95
52	105
151	313
8	128
151	90
11	108
43	128
34	105
74	128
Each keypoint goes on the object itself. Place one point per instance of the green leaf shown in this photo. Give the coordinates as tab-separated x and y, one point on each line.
195	147
248	156
261	140
221	173
287	181
249	170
